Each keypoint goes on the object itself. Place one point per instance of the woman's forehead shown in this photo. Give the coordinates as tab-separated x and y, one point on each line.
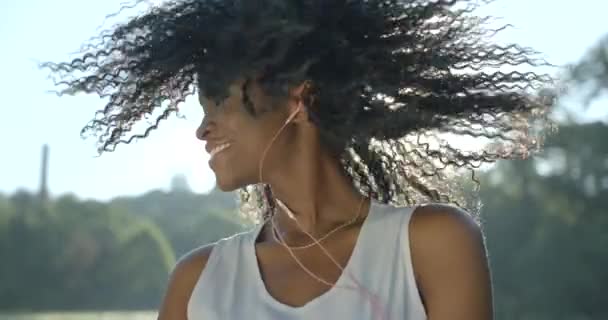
219	80
219	93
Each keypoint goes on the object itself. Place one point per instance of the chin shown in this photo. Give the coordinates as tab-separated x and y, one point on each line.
227	184
225	188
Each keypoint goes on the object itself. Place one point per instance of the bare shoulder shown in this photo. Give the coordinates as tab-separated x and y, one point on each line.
442	220
193	262
438	229
188	268
183	278
450	263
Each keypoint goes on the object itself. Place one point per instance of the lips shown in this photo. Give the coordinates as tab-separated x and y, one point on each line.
218	148
214	144
215	148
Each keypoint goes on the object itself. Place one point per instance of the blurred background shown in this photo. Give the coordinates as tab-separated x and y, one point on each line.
86	237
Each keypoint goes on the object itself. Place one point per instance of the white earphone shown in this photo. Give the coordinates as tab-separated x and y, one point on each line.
293	114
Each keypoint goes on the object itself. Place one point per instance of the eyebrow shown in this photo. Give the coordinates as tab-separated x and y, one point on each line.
202	103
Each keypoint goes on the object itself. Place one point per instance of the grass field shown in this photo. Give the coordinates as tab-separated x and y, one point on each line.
110	315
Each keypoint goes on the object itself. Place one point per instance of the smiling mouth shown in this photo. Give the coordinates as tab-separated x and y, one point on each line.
218	149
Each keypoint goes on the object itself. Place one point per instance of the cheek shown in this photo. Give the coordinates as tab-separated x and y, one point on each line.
253	144
252	134
256	153
249	142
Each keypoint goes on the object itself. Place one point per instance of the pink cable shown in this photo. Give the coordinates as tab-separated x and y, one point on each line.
378	310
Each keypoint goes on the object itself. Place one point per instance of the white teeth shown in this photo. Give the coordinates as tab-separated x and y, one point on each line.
219	148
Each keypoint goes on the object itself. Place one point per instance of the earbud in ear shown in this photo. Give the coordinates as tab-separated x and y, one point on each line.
293	114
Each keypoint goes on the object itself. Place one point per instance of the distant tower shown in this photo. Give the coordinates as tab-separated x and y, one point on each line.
44	191
179	184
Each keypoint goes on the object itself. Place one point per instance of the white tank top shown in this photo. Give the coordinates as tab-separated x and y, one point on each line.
230	287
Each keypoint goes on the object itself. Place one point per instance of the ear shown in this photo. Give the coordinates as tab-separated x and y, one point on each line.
298	99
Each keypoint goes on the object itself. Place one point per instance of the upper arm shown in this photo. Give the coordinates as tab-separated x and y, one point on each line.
450	264
183	278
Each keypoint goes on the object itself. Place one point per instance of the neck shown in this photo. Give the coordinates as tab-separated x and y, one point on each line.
317	193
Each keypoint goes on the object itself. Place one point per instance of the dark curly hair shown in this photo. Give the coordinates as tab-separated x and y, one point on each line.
393	82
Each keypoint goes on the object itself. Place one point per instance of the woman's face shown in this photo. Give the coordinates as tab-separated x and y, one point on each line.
236	139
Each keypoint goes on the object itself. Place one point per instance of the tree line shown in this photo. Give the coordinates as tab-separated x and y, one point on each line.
67	253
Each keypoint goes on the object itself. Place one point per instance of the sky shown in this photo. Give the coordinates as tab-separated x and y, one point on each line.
42	30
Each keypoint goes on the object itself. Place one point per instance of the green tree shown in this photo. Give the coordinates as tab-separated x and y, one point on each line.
545	221
187	219
591	73
73	254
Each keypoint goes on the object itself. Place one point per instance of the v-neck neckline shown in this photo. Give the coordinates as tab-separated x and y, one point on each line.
348	268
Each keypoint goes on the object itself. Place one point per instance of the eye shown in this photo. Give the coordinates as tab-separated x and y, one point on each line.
205	104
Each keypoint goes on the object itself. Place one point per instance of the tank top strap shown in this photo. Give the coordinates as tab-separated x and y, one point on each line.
383	262
381	240
224	277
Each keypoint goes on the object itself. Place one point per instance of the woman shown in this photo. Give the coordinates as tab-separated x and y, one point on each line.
339	122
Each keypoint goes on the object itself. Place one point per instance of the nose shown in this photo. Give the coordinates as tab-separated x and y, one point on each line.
203	129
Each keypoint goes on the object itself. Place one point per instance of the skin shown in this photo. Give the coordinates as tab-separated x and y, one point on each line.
447	246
